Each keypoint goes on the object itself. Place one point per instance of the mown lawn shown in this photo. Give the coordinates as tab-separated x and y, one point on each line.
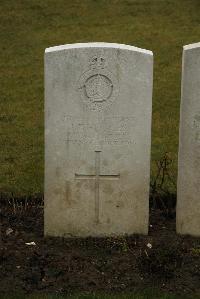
28	27
102	296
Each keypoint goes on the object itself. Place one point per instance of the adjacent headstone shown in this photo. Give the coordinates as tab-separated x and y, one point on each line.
98	136
188	193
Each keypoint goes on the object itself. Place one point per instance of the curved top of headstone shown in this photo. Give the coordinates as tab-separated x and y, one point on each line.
97	45
191	46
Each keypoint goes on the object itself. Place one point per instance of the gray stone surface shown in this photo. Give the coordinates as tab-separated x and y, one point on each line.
98	102
188	193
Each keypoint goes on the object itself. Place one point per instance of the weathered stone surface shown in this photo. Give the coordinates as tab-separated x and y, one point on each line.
98	101
188	193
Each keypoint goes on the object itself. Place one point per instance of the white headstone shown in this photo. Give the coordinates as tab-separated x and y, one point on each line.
188	193
98	136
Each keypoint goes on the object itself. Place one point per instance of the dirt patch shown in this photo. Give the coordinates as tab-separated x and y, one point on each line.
162	259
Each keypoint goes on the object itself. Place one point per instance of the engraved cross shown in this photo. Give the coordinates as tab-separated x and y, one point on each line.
97	177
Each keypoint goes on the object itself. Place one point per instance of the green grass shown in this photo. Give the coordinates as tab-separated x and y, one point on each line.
101	296
28	27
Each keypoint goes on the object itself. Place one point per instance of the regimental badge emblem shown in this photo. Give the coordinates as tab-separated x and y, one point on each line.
98	86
